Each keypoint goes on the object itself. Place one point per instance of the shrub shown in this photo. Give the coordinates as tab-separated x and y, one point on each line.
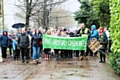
115	34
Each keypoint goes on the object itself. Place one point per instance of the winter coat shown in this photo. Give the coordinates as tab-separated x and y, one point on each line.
11	37
23	41
36	38
4	40
94	33
103	40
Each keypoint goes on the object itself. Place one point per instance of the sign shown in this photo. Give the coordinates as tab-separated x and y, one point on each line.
68	43
94	45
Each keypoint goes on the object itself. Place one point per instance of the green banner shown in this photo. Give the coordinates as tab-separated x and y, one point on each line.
68	43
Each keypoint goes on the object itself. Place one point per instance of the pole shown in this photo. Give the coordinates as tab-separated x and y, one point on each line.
2	14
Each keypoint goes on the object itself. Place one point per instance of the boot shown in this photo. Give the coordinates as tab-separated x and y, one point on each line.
87	58
27	61
100	58
104	57
23	61
38	61
81	57
57	56
34	61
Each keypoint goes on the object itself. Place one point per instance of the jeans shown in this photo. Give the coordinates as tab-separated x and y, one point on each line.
36	52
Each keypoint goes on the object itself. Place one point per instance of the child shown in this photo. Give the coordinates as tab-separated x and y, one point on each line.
16	51
47	50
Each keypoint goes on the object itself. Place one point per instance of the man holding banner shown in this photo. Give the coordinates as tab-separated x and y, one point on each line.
84	32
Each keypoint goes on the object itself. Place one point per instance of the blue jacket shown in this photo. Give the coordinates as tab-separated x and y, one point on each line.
94	33
14	44
4	40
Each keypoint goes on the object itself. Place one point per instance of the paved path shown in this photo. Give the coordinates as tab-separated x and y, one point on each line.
74	70
11	70
71	69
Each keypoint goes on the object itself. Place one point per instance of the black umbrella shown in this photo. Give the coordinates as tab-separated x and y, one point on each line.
18	25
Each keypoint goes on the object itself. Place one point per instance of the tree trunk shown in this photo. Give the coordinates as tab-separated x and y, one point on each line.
27	22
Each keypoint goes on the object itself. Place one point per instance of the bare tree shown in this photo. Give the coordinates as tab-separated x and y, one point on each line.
61	18
33	7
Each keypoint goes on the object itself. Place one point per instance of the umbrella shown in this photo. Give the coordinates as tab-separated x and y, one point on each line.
18	25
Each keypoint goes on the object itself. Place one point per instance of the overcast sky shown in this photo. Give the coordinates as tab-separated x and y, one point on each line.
72	5
10	10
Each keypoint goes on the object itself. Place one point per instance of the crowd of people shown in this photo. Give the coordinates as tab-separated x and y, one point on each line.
27	44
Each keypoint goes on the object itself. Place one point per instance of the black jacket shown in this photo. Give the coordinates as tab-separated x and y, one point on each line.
23	41
36	38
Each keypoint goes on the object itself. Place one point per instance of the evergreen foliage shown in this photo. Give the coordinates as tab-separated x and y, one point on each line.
115	34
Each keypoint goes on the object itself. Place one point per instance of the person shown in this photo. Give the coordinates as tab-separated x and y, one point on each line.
29	48
4	44
18	35
57	55
11	36
41	45
109	40
19	32
36	46
23	43
93	34
83	31
47	50
16	50
64	53
103	42
76	51
71	34
28	32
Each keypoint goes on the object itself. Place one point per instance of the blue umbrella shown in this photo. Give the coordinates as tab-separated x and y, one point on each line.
18	25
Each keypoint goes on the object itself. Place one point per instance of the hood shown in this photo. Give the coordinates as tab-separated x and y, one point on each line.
101	29
94	27
64	29
5	31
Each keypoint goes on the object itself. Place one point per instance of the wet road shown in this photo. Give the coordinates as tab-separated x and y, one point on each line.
74	69
11	70
70	69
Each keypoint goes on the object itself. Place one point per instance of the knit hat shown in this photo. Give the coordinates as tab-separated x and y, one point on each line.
101	29
11	31
64	29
